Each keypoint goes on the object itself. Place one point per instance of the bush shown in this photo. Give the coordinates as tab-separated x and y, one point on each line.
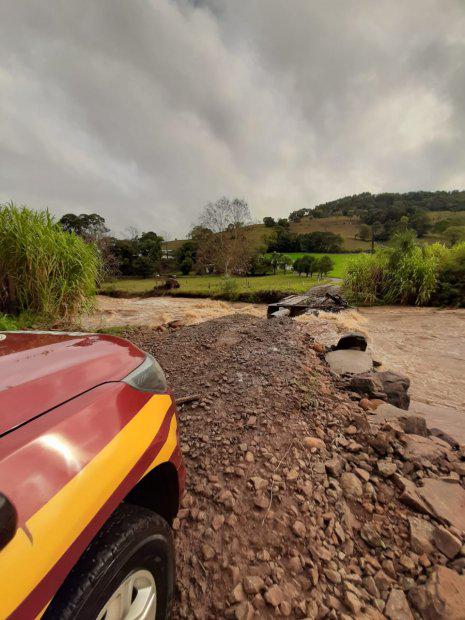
403	274
365	277
229	288
450	290
44	270
186	266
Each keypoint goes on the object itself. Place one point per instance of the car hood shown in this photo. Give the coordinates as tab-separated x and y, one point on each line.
40	370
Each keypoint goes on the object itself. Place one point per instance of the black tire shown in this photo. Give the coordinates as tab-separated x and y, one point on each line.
133	538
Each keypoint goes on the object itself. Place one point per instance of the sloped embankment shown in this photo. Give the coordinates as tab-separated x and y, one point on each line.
293	504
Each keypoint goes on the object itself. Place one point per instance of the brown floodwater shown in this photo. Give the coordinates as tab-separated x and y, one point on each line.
426	344
155	311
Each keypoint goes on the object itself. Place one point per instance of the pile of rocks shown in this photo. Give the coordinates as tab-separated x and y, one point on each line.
304	500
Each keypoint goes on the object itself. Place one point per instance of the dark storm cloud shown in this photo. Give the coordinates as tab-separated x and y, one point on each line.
145	110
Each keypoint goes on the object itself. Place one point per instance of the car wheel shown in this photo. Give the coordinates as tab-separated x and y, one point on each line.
127	572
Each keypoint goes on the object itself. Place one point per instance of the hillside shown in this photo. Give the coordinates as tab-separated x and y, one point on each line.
347	227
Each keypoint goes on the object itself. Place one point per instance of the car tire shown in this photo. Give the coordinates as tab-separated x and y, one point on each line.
134	541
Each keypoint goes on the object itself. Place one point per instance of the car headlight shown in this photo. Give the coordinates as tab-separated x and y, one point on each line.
148	377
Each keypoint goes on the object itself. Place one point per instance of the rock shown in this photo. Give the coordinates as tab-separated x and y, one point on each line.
352	602
352	340
299	529
274	596
442	597
334	467
368	384
421	535
244	611
351	485
397	607
395	387
261	502
253	584
347	361
371	536
410	495
386	468
445	499
314	442
409	422
217	522
259	483
238	594
370	405
447	543
208	552
417	449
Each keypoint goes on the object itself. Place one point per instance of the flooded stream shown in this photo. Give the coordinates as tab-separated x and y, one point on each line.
426	344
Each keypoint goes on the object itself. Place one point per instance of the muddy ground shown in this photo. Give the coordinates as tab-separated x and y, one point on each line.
291	507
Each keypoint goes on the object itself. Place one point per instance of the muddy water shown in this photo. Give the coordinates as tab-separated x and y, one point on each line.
426	344
155	311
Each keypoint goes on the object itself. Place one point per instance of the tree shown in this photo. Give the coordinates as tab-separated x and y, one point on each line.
305	264
283	222
231	251
283	240
298	266
421	223
269	222
324	265
186	266
454	234
89	226
320	241
187	250
364	232
284	262
275	261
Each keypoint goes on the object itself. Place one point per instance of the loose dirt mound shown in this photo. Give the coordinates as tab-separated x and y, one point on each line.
291	509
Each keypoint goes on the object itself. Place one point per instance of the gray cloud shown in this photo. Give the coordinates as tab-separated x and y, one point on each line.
145	110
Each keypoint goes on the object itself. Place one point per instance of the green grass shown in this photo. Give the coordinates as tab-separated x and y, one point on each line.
340	261
213	286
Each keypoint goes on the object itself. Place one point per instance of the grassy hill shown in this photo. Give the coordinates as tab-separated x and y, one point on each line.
345	226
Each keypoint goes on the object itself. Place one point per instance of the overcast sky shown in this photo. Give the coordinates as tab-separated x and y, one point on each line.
144	110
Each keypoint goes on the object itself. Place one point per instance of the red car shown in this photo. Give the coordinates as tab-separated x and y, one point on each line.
90	479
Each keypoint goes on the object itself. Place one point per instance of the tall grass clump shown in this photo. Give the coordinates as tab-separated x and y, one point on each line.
405	273
44	270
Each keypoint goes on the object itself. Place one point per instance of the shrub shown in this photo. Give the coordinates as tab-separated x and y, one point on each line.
364	279
186	266
44	270
405	273
229	288
450	290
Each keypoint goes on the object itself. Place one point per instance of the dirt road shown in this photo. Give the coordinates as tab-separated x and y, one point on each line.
291	510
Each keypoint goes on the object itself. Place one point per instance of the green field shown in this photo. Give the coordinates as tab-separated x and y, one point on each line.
340	261
214	286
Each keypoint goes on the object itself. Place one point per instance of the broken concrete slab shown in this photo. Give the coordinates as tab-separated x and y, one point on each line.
348	361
